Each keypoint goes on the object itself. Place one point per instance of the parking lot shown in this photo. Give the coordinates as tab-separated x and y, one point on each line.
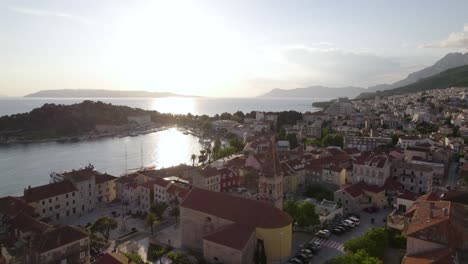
331	247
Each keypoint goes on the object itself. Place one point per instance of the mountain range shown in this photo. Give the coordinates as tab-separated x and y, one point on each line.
449	61
91	93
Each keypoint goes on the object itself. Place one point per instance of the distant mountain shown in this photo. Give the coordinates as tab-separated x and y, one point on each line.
456	77
449	61
91	93
314	92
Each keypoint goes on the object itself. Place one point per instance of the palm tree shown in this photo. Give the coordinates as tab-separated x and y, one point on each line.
208	152
193	158
150	221
103	225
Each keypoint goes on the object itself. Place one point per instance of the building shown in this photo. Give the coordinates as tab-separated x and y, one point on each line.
359	196
416	178
64	244
373	170
207	178
365	143
229	229
54	200
436	230
230	179
342	107
334	176
270	180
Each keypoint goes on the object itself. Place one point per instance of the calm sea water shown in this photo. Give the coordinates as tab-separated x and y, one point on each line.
196	106
30	164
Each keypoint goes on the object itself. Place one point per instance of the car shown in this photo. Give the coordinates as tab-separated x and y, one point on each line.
345	227
314	246
295	261
303	257
355	220
324	233
348	222
338	231
307	252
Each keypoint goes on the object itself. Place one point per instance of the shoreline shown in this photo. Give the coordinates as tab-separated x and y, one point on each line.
82	138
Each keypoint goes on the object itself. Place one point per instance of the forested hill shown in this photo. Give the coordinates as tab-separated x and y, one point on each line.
52	120
456	77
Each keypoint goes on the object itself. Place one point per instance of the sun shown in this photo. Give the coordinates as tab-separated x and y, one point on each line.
177	47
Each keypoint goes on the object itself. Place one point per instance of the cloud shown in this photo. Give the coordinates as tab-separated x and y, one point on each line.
46	13
333	66
455	40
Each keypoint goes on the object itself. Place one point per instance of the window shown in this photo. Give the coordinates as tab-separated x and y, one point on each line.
89	185
73	202
73	193
74	210
50	208
82	254
56	198
50	200
57	206
43	202
420	182
67	203
66	195
43	210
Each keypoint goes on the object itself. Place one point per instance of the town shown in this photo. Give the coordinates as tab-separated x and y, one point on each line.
381	180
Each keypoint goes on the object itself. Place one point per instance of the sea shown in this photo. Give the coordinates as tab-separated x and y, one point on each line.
30	164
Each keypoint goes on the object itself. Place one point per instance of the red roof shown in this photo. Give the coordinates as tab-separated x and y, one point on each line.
58	237
234	236
237	209
407	195
113	258
209	172
26	223
47	191
161	182
12	206
358	188
104	177
438	256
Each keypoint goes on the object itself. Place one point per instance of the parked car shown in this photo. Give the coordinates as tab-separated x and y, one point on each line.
295	261
307	252
325	233
337	231
348	222
355	220
314	246
303	257
345	227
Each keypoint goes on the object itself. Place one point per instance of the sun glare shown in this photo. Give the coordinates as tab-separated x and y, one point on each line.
174	105
178	48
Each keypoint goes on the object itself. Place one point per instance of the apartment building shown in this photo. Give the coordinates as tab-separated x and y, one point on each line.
207	178
373	169
365	143
416	178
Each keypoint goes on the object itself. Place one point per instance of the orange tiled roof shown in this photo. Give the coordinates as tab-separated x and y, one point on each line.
234	236
58	237
237	209
441	256
49	190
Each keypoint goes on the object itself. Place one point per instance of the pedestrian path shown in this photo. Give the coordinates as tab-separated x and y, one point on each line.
330	243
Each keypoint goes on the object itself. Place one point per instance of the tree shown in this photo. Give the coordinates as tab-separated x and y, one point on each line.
133	257
318	192
175	212
208	152
225	152
293	142
103	225
150	221
193	158
216	147
306	215
292	208
374	242
158	209
178	258
360	257
395	138
226	116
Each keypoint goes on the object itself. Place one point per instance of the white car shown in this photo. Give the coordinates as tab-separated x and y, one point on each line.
348	222
355	220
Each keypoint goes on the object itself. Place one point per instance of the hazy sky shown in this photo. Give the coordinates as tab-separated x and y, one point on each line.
221	48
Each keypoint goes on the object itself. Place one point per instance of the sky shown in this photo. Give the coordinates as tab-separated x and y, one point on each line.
221	48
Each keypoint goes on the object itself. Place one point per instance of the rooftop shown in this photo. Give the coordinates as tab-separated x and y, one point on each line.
234	236
241	210
58	237
47	191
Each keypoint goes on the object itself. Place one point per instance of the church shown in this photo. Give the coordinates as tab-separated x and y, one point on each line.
233	229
